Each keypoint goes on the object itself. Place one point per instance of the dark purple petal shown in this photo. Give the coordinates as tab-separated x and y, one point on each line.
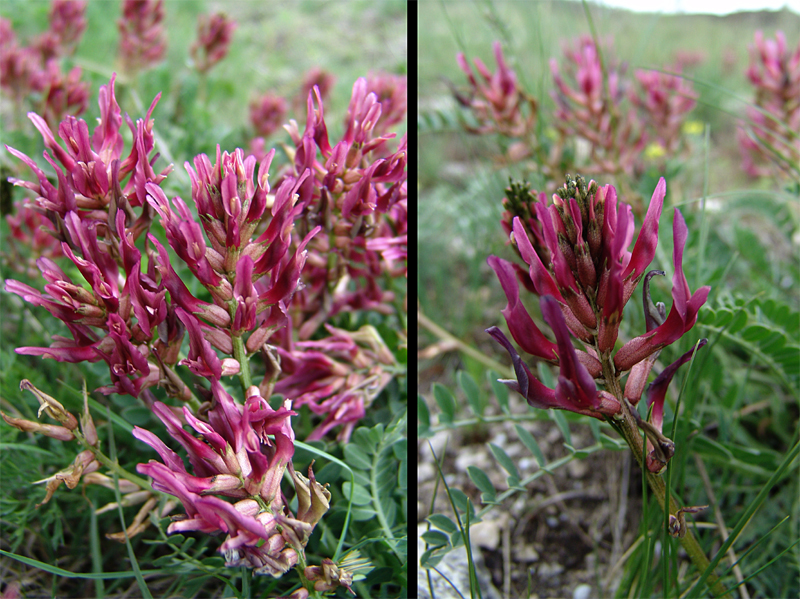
645	247
575	384
520	324
657	390
542	281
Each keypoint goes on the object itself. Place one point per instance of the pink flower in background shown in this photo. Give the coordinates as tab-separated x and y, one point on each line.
268	114
17	63
31	230
768	141
315	77
497	101
391	92
338	376
68	22
665	100
142	42
214	35
688	59
589	99
62	95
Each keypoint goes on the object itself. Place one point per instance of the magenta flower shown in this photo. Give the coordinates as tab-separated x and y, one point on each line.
214	35
589	104
68	21
267	114
18	64
260	275
91	214
338	376
315	77
584	289
769	141
666	100
575	390
142	41
497	101
242	454
62	95
657	457
391	92
357	191
682	315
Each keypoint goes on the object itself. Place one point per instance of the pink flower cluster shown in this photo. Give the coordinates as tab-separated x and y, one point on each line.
665	100
497	102
769	141
590	106
35	69
214	35
142	40
268	114
358	194
315	77
598	109
337	376
244	252
584	288
236	457
91	213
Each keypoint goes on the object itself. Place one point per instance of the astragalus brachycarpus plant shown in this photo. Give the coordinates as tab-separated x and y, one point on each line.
584	287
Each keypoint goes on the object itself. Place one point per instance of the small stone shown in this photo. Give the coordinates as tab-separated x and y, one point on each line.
485	534
528	465
549	570
582	591
469	458
438	442
528	554
425	471
578	468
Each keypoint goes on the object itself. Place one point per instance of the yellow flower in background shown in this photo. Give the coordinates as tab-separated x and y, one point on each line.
693	127
654	150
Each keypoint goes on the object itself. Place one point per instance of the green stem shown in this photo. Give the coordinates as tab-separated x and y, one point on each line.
240	353
112	465
463	347
239	350
630	432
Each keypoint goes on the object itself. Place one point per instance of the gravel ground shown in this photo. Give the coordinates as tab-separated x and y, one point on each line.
564	536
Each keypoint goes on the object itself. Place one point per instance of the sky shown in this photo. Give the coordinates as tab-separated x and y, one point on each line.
718	7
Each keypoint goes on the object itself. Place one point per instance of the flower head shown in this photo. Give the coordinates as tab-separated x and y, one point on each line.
267	114
496	100
769	141
590	277
242	454
142	39
214	35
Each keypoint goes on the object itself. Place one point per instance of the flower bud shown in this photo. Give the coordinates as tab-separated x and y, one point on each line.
49	404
